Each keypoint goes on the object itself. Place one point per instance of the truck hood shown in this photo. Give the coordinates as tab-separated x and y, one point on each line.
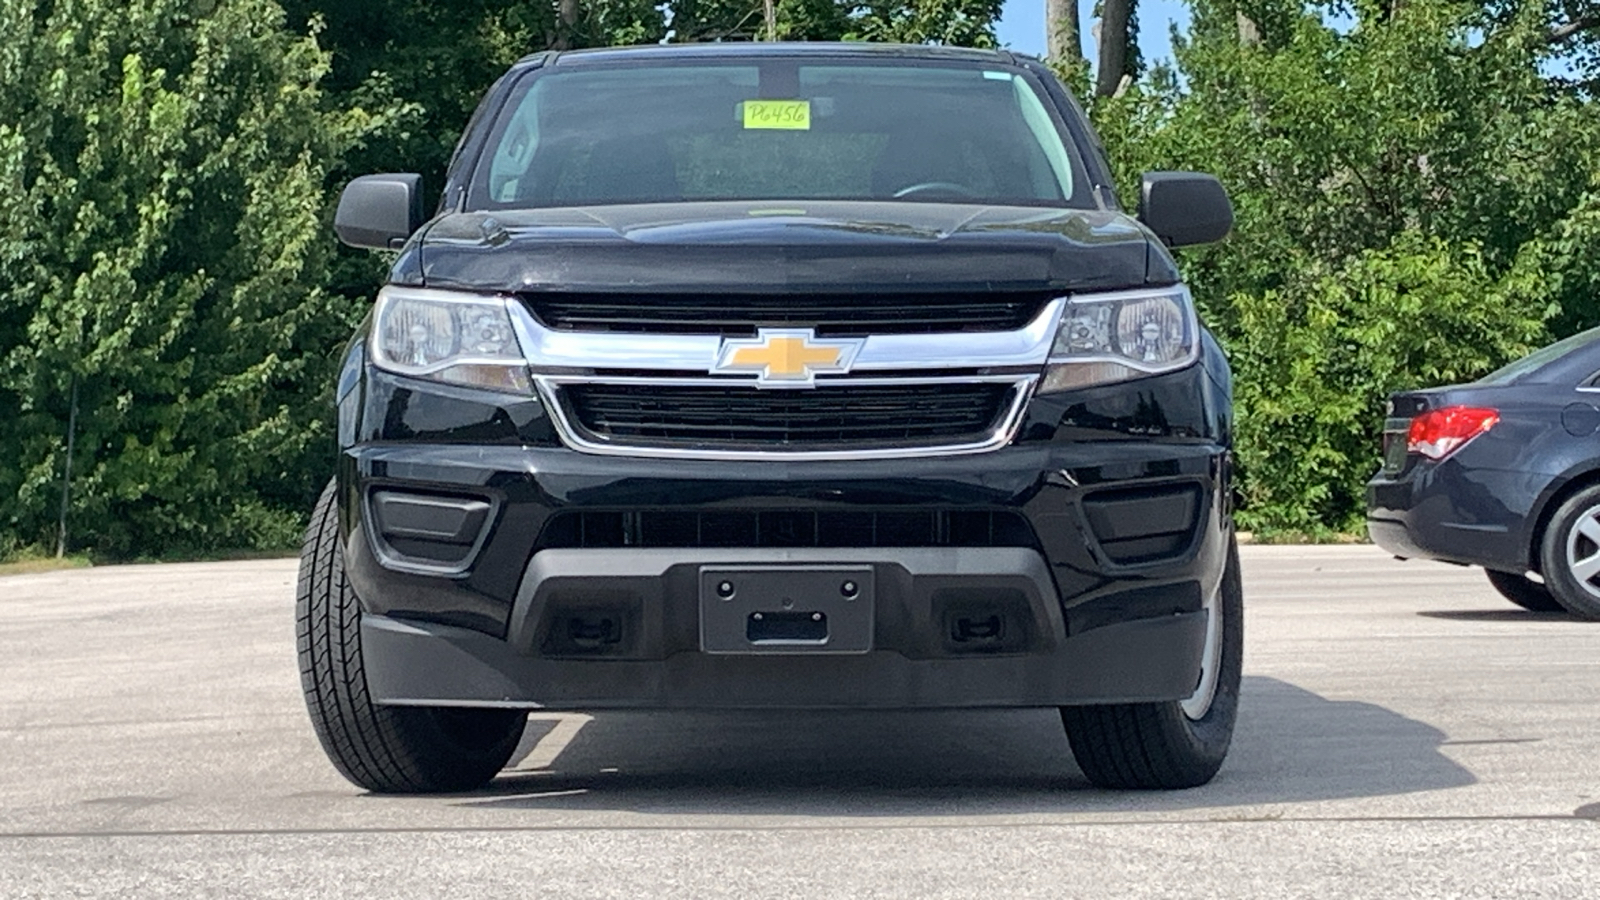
793	246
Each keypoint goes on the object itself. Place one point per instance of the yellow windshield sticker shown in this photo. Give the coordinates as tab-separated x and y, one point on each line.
791	115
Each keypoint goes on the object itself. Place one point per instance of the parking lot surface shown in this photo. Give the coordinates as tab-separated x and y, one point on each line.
1403	732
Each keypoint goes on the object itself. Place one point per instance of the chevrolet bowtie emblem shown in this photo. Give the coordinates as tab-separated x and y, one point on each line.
787	357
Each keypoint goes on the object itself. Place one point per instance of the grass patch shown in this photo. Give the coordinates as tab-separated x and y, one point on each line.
31	562
31	565
1291	536
214	556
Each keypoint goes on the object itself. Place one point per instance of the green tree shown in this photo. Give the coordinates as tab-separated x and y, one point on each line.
1314	359
440	58
1414	198
162	254
963	23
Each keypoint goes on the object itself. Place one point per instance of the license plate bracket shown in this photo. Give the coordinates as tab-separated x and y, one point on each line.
786	609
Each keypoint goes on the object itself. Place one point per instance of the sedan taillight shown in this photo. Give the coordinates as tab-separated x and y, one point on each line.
1438	433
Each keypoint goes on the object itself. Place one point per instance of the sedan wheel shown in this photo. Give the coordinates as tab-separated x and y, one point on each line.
1570	554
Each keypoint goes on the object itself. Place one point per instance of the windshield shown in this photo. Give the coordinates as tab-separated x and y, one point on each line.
1540	358
778	129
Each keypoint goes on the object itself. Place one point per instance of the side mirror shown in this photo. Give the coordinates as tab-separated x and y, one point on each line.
379	212
1185	208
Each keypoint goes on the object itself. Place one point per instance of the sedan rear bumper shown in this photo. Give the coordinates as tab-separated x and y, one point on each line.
1454	513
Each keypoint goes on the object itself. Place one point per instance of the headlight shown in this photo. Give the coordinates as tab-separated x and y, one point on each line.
1105	338
457	338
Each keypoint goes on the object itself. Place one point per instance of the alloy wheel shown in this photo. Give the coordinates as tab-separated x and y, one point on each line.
1583	550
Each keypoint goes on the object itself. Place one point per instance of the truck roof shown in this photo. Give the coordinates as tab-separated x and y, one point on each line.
766	50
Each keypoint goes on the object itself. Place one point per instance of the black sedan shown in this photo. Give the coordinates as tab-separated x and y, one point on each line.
1502	473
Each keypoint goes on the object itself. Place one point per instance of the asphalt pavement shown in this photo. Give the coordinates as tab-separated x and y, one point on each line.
1404	732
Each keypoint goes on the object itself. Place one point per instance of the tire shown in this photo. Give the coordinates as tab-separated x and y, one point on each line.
1569	554
385	749
1524	591
1161	746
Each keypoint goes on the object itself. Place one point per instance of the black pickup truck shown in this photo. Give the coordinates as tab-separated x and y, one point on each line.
776	376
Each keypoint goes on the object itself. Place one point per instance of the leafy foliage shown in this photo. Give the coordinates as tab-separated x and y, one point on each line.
1314	358
967	23
1413	207
162	258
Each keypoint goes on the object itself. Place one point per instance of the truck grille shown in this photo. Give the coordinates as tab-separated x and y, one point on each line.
736	315
786	528
832	418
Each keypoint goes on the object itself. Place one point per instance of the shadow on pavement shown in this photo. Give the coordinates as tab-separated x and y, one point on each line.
1495	615
1291	745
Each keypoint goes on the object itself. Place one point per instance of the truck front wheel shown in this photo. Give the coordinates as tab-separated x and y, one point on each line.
1179	743
386	749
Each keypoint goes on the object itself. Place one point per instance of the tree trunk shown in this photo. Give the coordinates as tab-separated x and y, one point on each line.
1062	40
66	475
1249	31
1114	15
567	23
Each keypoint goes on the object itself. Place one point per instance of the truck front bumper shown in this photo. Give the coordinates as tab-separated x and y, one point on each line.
533	577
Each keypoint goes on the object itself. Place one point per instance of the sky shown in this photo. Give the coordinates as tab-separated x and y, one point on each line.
1022	26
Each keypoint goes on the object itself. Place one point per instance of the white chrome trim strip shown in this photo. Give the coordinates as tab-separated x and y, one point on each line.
547	348
728	381
1001	435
